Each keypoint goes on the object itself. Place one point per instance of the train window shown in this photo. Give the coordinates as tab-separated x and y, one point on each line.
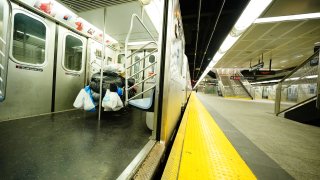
136	67
152	59
29	42
109	60
73	53
121	58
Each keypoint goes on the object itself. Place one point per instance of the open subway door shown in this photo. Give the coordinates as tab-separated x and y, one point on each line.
5	26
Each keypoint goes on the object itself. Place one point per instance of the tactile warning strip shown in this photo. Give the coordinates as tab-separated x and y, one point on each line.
203	151
173	163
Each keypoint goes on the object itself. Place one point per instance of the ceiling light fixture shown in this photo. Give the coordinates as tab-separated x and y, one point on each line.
248	16
287	18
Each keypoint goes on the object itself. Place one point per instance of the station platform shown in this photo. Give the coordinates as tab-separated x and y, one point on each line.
221	138
71	145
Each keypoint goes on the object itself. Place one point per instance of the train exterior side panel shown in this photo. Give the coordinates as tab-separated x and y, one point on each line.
30	69
173	86
70	76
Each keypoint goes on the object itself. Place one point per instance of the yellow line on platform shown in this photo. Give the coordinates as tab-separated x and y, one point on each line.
202	151
237	97
173	163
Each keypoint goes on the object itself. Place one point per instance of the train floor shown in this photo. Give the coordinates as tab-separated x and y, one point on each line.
71	145
273	147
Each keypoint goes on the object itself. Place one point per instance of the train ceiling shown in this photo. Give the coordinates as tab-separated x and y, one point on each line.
85	5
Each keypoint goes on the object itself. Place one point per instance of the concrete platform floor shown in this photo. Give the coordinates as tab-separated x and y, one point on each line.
273	147
71	145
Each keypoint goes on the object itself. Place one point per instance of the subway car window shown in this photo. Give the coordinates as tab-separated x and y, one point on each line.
73	53
121	58
152	59
29	40
136	67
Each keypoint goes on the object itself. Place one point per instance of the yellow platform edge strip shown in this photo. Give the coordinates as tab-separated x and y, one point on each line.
237	97
173	163
202	151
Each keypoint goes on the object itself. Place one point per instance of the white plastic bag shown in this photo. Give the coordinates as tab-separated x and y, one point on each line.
111	101
88	105
84	100
78	103
117	68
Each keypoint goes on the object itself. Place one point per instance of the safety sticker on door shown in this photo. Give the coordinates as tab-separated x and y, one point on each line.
29	68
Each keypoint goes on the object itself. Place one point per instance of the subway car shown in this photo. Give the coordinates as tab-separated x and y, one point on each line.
49	52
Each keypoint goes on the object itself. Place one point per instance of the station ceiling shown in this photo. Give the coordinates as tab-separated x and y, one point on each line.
286	43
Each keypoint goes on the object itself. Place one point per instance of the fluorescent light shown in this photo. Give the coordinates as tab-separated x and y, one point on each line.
288	18
292	79
248	16
311	77
263	82
138	43
217	56
31	35
251	13
228	43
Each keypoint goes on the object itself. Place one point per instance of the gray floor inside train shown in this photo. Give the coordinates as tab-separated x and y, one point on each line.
273	147
71	145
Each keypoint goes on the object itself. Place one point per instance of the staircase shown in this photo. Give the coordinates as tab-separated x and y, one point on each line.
233	87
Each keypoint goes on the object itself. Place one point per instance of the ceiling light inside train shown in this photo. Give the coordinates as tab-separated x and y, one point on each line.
248	16
287	18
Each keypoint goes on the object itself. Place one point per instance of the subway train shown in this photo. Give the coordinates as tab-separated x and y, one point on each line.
50	52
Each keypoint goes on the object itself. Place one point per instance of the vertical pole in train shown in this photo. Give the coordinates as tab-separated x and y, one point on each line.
102	61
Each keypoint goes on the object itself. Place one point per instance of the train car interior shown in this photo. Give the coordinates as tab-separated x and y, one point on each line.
57	48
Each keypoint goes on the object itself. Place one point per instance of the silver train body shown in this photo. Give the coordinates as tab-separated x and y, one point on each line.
46	63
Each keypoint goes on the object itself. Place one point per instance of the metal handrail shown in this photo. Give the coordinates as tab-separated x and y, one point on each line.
127	67
279	88
142	59
143	69
141	81
298	104
136	51
298	67
142	92
299	78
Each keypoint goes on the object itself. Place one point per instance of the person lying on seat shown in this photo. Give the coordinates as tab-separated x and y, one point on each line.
112	101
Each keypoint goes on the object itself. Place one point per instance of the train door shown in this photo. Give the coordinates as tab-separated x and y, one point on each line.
5	27
70	68
30	66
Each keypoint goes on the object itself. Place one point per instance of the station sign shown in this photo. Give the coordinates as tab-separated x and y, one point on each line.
242	78
262	73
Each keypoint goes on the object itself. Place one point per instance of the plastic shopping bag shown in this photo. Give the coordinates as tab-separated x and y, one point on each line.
78	103
111	101
88	104
84	100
